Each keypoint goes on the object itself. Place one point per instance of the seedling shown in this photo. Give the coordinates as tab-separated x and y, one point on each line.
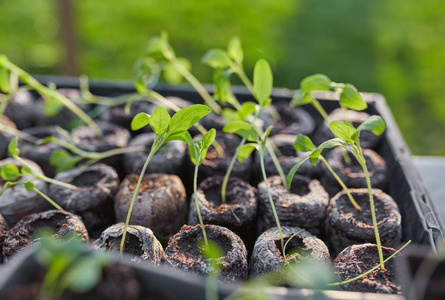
304	144
54	101
212	252
67	267
198	151
64	161
166	129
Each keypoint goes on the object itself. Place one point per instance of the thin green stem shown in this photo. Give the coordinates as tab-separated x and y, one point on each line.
321	110
229	170
195	191
370	271
276	163
239	70
345	188
288	240
53	203
277	221
155	147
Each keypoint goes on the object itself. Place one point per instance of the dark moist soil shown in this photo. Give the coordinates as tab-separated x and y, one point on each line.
352	174
183	252
357	259
17	202
139	241
346	225
5	138
160	204
238	214
23	233
3	229
93	200
217	164
22	110
304	206
287	156
267	254
368	140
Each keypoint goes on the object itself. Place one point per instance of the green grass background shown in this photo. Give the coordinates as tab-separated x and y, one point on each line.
393	47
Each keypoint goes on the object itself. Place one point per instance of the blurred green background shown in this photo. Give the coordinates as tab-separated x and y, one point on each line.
393	47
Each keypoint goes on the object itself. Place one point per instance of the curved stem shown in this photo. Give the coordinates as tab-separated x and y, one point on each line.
53	203
321	110
345	188
195	191
270	199
276	163
153	150
229	170
287	242
239	70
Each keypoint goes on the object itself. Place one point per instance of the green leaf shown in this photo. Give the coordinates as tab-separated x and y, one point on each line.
247	108
193	153
12	147
52	106
221	79
242	129
208	138
351	98
313	158
46	140
180	136
139	121
230	115
235	50
10	172
303	144
171	73
217	58
342	130
29	186
301	99
375	124
159	120
4	81
262	81
63	161
292	172
316	82
246	151
335	142
187	117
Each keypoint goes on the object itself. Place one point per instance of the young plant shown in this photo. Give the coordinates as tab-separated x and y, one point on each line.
166	129
198	151
64	161
212	252
304	144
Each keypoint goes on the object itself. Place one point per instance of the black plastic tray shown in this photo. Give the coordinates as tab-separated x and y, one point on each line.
419	219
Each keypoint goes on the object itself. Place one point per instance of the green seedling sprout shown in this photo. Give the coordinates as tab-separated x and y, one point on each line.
198	151
213	253
66	266
63	160
304	144
53	100
166	129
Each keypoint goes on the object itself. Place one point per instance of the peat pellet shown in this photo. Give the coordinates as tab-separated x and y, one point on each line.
21	109
358	259
40	154
93	198
287	120
168	160
304	205
5	138
287	156
352	174
218	163
183	252
238	213
3	229
367	138
160	203
347	226
23	233
16	201
267	253
140	242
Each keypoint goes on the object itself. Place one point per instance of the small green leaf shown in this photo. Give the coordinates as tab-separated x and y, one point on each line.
188	138
235	50
171	73
303	144
246	151
262	81
292	172
302	98
52	106
10	172
247	108
63	161
193	153
159	120
4	81
27	171
217	58
187	117
12	148
242	129
375	124
29	186
335	142
139	121
351	98
316	82
313	158
342	130
208	138
46	140
180	136
221	79
230	115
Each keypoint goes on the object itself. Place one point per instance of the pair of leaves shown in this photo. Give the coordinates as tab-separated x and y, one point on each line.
349	134
241	114
197	148
221	59
62	160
